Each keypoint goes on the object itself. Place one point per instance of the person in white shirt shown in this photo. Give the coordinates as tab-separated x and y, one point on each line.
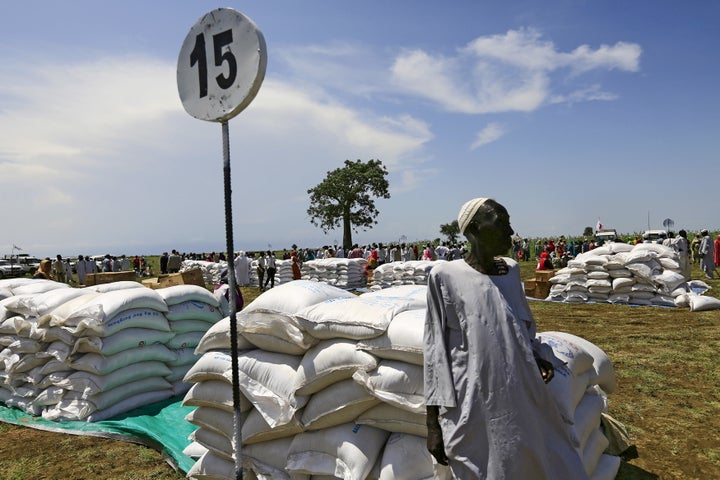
441	251
270	269
382	254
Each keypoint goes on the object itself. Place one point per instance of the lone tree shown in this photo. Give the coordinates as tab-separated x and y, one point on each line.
450	230
346	195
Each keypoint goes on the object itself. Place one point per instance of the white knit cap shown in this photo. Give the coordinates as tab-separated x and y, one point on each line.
468	211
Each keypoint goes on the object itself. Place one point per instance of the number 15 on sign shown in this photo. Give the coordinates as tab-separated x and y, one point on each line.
221	65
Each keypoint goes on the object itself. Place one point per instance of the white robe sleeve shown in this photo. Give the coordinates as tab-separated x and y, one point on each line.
439	386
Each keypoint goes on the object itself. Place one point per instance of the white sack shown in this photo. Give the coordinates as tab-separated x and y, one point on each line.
406	457
91	383
602	365
211	467
122	340
328	362
256	430
218	338
339	403
394	419
395	383
268	459
184	293
700	303
347	451
403	339
103	365
219	421
355	318
215	394
267	379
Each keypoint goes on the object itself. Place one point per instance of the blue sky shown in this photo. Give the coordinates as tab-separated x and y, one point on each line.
566	112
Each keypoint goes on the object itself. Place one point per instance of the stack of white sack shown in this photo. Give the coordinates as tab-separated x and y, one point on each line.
192	311
346	273
393	274
331	386
283	271
212	271
619	273
580	388
93	353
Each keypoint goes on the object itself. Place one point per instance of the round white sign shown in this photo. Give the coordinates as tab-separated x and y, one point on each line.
221	65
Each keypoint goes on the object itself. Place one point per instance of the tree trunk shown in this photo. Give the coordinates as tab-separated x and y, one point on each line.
347	232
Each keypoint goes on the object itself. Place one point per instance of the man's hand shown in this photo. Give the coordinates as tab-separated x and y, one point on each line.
547	371
435	444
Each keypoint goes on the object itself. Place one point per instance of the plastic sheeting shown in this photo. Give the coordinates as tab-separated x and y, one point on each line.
160	426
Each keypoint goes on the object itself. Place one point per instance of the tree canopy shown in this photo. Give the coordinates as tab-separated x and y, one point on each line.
450	230
347	197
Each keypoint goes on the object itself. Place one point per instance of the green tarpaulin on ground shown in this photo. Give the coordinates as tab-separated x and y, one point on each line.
161	426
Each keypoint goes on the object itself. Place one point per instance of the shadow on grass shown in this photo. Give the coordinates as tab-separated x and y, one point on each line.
632	472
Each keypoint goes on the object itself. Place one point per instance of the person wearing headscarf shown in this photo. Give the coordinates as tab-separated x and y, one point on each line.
297	274
371	265
44	270
489	412
716	248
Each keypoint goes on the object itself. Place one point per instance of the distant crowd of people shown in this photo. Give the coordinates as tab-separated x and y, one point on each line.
548	253
702	250
376	254
75	272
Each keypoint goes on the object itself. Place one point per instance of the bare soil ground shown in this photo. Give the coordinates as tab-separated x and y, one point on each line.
668	396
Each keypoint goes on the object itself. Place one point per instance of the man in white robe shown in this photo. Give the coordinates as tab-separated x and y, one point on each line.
81	269
681	246
489	413
242	269
707	258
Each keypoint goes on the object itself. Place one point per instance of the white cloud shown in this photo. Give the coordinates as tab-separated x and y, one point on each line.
492	132
65	116
108	153
508	72
350	68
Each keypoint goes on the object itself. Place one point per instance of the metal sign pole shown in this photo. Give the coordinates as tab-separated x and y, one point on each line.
221	66
232	283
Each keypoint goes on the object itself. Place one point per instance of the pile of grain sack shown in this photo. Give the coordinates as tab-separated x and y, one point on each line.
332	387
93	353
393	274
619	273
347	273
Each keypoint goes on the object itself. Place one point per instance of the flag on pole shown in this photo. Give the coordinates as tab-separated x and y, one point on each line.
598	226
16	247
